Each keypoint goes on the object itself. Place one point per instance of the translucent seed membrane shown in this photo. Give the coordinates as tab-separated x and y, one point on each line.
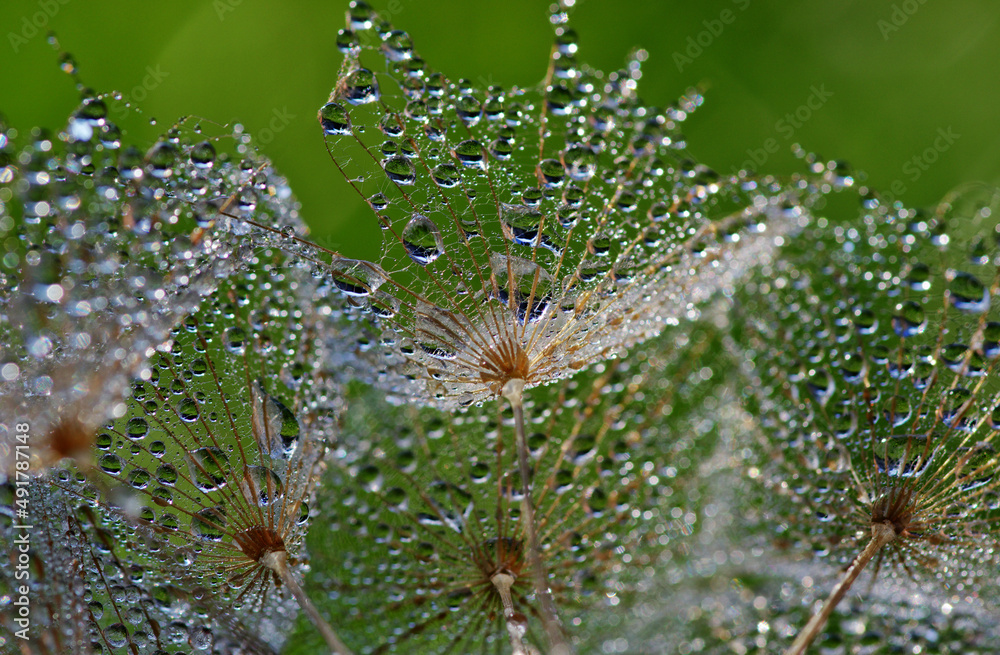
529	233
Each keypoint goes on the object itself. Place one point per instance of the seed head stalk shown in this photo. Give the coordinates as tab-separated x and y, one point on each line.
513	391
882	534
516	622
277	561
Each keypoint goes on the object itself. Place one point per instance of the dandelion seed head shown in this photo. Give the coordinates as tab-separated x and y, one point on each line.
528	233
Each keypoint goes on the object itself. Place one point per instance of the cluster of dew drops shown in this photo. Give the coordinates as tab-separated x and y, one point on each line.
164	309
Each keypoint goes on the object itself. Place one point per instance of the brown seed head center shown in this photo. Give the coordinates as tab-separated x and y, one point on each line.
897	508
502	555
507	361
70	438
258	541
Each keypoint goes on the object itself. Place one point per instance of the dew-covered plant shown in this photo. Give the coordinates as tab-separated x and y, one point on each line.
528	234
216	459
205	474
112	245
98	588
425	507
504	433
879	390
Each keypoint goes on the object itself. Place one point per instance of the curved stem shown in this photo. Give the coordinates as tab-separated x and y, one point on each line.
277	561
882	533
513	391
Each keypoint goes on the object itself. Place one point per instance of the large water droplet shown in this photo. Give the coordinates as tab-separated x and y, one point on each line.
422	240
334	118
203	155
274	425
400	170
470	153
361	87
903	455
209	467
209	523
967	293
398	46
909	319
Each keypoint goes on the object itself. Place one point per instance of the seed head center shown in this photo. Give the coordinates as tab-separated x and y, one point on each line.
258	541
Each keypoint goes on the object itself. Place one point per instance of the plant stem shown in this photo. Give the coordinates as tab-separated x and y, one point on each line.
517	624
882	533
277	561
513	391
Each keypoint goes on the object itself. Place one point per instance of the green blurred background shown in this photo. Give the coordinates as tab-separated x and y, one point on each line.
895	74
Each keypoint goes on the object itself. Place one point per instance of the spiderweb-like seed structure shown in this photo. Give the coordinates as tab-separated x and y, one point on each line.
527	233
423	510
882	399
115	245
532	237
207	478
97	590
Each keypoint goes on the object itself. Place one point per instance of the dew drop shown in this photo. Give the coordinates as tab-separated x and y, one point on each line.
468	109
919	277
166	474
361	87
581	162
203	155
139	478
446	175
235	340
400	170
360	15
209	467
967	293
209	524
354	277
552	172
261	485
597	502
116	634
162	159
111	463
188	410
422	240
902	455
991	340
274	425
137	428
909	319
397	45
470	153
347	41
334	118
501	149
